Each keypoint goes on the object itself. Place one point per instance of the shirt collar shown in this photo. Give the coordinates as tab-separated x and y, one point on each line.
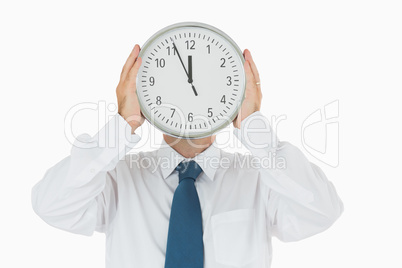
169	158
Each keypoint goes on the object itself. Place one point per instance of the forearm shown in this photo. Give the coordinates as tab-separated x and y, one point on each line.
294	219
301	201
67	195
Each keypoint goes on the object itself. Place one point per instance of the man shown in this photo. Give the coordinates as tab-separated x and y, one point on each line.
193	211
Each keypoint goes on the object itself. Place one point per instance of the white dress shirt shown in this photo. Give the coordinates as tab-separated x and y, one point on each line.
244	202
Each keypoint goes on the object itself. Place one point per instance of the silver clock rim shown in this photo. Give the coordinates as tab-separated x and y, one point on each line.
196	25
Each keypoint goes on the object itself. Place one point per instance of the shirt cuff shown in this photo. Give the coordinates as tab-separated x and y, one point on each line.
257	135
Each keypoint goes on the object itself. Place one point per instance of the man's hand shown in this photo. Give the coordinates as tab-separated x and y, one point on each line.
253	96
129	107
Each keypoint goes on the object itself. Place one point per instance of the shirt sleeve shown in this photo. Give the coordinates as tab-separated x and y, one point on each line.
78	194
300	200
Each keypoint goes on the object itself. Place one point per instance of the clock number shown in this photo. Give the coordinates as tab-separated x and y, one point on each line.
229	78
210	114
171	49
190	44
223	100
174	110
152	81
160	63
209	49
158	100
190	117
223	63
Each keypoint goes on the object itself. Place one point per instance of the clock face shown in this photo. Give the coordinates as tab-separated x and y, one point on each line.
191	81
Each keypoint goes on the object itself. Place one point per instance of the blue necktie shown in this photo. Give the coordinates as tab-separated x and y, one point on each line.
185	248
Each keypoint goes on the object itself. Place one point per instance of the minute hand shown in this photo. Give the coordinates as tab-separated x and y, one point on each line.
184	67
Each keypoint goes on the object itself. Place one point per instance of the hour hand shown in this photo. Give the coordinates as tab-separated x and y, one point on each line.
190	69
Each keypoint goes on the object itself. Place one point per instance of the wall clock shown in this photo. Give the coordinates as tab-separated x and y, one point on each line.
191	82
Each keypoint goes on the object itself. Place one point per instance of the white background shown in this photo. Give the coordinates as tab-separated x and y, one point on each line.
55	55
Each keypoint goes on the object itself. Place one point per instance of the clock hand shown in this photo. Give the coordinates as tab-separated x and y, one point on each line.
190	69
190	73
182	64
195	91
184	67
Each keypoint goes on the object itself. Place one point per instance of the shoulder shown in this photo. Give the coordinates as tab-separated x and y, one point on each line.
137	161
238	161
141	160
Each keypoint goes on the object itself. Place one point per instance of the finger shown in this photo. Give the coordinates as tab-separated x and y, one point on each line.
248	57
250	79
130	61
132	75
